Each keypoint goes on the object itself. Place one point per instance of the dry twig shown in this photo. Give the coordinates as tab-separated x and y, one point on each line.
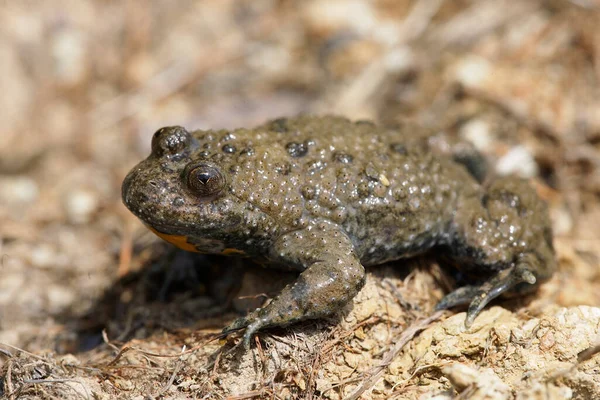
173	375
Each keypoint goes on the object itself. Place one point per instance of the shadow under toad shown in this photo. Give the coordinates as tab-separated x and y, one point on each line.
174	291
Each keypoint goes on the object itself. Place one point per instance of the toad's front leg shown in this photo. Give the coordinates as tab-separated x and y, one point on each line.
332	276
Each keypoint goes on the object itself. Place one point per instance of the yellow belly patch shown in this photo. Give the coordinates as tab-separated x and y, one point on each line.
177	240
182	242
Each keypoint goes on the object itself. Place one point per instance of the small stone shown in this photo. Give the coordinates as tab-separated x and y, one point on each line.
473	72
43	256
477	132
81	205
517	161
59	299
18	190
68	50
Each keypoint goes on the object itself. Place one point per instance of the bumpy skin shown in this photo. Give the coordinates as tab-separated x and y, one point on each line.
326	196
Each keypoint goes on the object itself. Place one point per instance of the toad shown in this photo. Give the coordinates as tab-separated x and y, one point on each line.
328	197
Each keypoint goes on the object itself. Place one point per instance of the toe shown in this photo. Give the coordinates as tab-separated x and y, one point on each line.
479	296
236	325
460	296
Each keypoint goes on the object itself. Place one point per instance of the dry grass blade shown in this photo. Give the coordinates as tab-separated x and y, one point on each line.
23	351
9	386
173	375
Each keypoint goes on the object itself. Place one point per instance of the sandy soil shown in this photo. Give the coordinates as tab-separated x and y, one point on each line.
94	306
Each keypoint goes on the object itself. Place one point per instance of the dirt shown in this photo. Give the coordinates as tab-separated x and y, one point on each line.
92	305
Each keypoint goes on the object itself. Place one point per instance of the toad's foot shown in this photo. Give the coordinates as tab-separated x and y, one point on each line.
332	276
479	296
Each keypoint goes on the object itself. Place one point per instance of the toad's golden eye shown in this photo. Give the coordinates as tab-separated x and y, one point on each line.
205	180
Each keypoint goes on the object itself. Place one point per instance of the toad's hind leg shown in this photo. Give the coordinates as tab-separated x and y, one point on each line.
506	234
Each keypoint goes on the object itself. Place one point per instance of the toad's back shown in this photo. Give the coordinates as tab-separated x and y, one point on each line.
391	194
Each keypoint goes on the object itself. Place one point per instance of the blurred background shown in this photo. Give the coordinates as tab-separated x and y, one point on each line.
84	85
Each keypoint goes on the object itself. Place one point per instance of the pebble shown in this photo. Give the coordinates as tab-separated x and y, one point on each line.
18	190
80	205
43	256
477	132
473	72
69	56
518	161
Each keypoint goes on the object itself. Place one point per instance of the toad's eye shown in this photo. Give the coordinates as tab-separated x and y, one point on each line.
205	180
170	140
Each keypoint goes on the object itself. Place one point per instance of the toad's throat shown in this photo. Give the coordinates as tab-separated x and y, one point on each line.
205	246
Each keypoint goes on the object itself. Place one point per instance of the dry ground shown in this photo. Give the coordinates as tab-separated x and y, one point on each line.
94	306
